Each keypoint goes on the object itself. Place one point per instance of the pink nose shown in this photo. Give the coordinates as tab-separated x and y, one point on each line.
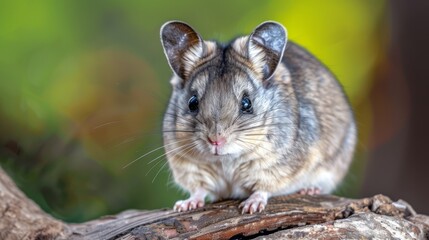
217	141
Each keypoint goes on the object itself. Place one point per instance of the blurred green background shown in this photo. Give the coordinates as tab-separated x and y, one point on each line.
83	86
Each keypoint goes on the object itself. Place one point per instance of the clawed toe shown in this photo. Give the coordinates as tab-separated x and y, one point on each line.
188	204
310	191
255	203
252	207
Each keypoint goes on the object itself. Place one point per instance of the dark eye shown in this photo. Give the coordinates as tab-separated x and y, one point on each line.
246	105
193	103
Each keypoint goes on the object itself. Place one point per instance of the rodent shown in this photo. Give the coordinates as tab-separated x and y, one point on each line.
254	118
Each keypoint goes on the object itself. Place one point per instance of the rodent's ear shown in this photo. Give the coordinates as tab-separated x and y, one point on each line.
182	46
266	46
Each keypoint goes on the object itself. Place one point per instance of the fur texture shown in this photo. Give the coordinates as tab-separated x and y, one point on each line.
300	134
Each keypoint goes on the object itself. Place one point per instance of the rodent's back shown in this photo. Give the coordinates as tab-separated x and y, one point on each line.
326	118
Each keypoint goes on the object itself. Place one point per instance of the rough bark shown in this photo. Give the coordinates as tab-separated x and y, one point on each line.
293	216
21	218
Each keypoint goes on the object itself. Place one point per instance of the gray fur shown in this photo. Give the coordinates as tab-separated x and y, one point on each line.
301	133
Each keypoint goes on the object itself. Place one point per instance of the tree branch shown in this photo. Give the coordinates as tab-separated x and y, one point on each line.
292	216
21	218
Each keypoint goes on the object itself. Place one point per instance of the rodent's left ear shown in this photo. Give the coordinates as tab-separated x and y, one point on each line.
182	45
266	46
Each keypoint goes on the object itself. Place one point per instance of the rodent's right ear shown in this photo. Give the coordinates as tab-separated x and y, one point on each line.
266	47
182	45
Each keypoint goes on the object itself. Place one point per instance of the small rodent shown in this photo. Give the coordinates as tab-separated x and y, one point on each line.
252	118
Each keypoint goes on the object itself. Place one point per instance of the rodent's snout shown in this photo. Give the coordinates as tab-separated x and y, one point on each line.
216	140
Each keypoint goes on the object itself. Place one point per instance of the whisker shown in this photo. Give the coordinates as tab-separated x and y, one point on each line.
144	155
177	115
128	140
236	118
249	148
187	148
106	124
258	121
154	166
181	130
186	145
253	127
258	134
254	139
176	122
177	105
198	120
248	122
183	125
256	146
270	109
163	165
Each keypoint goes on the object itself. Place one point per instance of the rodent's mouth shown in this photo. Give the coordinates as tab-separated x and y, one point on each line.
220	155
223	150
217	151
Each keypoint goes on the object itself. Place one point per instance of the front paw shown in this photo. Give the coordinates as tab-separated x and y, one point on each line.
310	191
188	204
255	203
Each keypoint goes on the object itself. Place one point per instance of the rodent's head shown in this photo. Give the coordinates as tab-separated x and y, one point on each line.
221	102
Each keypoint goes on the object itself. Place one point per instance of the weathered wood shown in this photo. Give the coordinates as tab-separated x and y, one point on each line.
358	226
293	216
21	218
